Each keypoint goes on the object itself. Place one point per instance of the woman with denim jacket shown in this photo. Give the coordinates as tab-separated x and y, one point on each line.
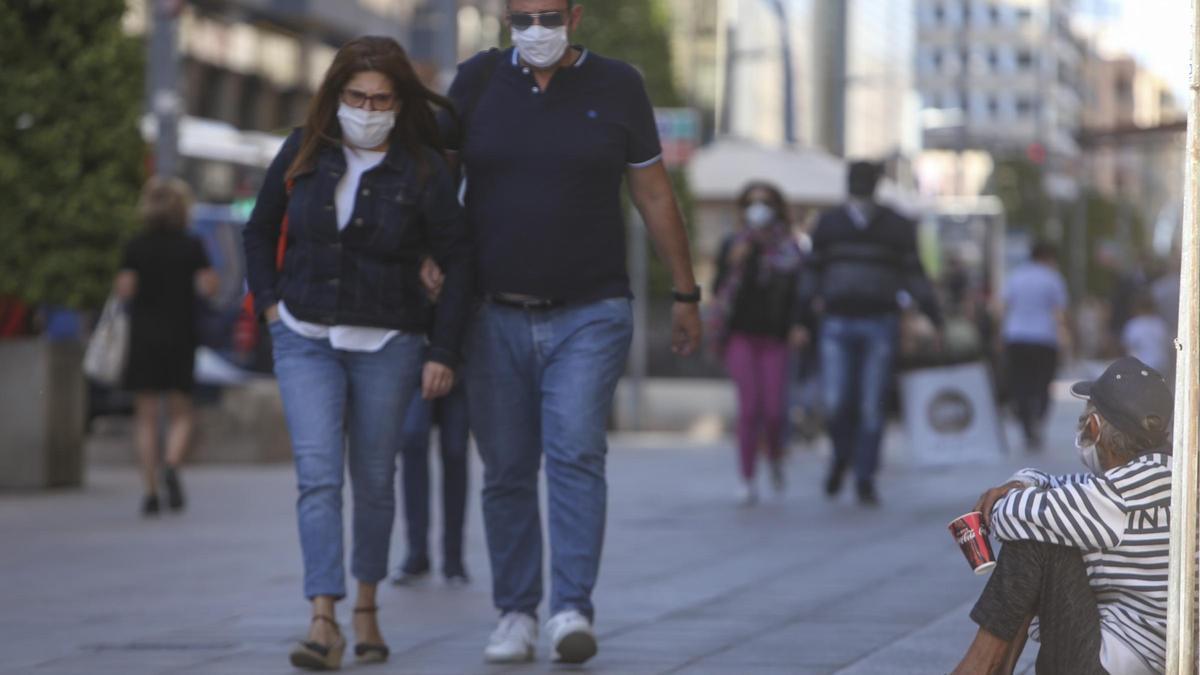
366	195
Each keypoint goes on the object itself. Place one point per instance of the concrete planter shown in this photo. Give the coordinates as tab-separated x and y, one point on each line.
42	409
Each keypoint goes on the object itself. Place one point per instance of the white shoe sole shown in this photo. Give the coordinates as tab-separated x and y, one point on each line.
575	647
509	658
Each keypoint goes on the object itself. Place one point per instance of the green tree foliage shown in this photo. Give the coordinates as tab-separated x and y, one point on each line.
637	32
1018	184
70	151
1118	230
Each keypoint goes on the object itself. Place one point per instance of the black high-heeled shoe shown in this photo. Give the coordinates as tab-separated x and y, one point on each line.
365	652
174	489
311	655
150	505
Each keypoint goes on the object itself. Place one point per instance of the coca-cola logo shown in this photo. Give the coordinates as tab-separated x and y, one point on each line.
965	535
950	412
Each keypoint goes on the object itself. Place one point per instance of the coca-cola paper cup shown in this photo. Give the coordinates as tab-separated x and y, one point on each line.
971	535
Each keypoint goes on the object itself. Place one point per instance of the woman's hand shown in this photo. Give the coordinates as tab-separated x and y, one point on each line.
798	338
432	279
739	253
988	499
436	381
272	313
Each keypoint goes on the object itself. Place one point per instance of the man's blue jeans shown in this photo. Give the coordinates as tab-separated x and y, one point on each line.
450	414
343	404
541	382
857	357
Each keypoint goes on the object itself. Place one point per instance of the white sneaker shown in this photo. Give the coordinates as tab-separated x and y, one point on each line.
513	640
572	635
747	493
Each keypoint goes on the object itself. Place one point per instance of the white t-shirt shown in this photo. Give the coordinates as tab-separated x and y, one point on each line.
1033	296
1148	338
347	338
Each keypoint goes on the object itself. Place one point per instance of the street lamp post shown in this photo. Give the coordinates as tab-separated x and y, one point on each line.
789	84
733	54
165	103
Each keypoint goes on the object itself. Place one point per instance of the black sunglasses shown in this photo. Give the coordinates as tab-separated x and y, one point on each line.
522	21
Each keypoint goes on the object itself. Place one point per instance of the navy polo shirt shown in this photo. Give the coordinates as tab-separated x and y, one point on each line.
544	172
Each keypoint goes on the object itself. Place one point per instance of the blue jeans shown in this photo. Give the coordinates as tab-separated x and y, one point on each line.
857	357
450	413
340	404
541	382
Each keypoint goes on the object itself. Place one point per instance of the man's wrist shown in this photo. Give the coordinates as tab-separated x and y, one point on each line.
689	297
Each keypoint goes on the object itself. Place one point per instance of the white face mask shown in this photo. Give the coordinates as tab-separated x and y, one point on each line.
759	215
1087	451
541	47
365	129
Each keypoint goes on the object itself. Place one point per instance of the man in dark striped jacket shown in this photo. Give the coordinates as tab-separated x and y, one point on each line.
1086	554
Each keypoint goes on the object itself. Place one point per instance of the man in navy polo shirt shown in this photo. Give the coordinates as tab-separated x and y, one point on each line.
548	132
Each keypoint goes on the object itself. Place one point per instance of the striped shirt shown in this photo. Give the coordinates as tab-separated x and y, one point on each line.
1121	522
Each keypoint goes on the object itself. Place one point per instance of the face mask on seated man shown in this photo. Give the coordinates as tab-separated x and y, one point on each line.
1084	557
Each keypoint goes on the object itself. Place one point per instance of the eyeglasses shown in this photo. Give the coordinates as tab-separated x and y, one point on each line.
359	99
523	21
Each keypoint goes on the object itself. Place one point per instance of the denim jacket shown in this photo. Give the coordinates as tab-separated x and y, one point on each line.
368	273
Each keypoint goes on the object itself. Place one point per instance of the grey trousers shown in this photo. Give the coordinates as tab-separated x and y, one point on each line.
1050	582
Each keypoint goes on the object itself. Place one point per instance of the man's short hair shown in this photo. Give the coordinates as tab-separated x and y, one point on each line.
1125	445
1043	251
863	178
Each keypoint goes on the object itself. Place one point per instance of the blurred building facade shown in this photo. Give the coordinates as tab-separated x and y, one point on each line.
1134	138
1004	77
882	101
255	63
250	67
851	69
479	24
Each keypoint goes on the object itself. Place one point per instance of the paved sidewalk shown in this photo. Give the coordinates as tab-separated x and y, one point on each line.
690	583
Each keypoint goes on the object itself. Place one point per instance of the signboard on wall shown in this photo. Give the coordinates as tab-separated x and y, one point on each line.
679	132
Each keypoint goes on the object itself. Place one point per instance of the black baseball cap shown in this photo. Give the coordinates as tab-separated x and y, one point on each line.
1134	398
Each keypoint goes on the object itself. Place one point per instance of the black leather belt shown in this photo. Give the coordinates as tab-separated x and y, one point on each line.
521	301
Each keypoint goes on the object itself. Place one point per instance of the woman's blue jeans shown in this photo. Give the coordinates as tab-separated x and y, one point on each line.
344	408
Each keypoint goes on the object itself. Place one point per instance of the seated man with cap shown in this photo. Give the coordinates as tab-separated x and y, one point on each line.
1086	554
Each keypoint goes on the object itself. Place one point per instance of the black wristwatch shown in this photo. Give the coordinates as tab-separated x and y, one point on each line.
692	298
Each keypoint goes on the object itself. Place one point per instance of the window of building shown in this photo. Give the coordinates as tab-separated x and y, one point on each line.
993	106
1024	59
1124	89
937	59
993	58
1023	106
994	14
939	13
1024	14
